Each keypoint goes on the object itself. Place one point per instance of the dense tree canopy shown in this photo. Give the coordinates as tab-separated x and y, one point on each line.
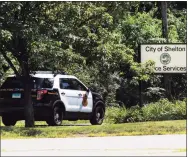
96	41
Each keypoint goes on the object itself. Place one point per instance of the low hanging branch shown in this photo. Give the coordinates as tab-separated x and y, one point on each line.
10	63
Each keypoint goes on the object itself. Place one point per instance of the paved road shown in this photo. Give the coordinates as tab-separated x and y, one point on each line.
156	145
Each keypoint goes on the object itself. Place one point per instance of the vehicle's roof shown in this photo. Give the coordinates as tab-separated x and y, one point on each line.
48	76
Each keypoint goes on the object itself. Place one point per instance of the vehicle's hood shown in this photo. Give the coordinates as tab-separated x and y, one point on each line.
96	95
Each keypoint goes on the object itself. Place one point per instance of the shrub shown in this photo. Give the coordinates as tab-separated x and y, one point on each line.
134	114
161	110
164	110
115	115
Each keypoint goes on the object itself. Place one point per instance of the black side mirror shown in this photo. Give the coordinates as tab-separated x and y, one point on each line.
88	90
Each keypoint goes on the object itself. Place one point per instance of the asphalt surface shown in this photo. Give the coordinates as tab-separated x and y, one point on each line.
156	145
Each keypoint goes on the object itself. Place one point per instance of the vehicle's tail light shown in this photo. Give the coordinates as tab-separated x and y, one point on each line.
40	94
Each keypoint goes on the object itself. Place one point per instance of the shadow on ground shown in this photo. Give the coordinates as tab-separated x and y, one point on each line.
37	131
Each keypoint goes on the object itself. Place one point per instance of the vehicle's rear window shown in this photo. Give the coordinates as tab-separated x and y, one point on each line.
13	82
47	83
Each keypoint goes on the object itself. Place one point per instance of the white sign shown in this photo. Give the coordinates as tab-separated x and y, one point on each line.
168	58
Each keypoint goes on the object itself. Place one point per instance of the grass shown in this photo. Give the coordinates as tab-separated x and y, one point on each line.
162	117
181	150
76	129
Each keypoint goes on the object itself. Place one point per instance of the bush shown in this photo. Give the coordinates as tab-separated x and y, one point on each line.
134	114
165	110
161	110
115	115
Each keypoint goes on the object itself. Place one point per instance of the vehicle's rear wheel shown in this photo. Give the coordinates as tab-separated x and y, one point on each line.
98	116
56	117
8	120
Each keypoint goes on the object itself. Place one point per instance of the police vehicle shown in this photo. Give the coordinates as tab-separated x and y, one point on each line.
55	97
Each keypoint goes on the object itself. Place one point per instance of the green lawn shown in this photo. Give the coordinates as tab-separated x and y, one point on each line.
76	129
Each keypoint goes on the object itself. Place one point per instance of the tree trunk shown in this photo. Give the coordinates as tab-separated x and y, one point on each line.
167	77
28	107
164	20
167	83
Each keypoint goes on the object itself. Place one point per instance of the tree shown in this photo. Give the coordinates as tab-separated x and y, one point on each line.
15	39
26	31
97	41
69	33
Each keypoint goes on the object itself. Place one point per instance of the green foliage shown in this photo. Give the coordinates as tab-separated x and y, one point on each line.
161	110
165	110
140	28
115	115
177	27
134	114
96	41
154	94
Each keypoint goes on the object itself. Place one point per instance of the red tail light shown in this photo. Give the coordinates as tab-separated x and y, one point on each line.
40	94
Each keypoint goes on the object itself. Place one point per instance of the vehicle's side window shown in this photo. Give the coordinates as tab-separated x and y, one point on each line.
78	85
65	84
73	84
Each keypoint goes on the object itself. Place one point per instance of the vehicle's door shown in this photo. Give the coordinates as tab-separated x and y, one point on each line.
68	94
85	101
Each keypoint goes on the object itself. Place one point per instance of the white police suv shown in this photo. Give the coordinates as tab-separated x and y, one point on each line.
55	97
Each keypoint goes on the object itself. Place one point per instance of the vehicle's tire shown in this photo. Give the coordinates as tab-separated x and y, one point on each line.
48	121
8	121
98	116
56	118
